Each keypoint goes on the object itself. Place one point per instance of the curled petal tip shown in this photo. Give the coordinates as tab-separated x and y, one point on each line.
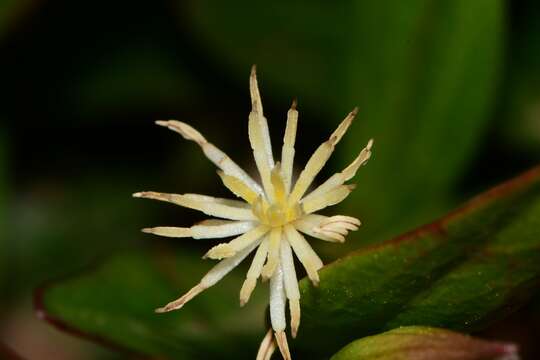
147	230
254	70
354	111
162	122
137	194
167	308
219	252
267	347
283	346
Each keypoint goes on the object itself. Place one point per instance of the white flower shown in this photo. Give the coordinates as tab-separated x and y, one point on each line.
271	218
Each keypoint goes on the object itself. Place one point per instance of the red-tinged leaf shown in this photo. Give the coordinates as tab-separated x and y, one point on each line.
462	272
425	343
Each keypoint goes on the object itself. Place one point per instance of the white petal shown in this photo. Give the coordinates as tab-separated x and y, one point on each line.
319	159
262	150
254	272
291	286
225	266
281	339
347	174
267	347
259	135
218	157
256	101
332	197
287	151
209	230
312	263
308	223
238	187
277	300
211	278
169	231
289	273
225	250
222	208
273	253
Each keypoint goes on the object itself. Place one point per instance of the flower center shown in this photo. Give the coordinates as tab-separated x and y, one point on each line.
277	211
276	214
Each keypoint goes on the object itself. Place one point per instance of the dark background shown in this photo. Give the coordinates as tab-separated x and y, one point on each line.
451	94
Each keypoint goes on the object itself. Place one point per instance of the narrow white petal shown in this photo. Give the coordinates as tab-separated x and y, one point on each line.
312	263
211	278
333	228
218	157
277	300
273	253
238	187
254	272
287	151
289	273
169	231
308	223
259	135
342	229
226	250
256	101
341	219
281	339
262	150
216	200
347	174
222	208
319	159
181	301
291	286
207	230
225	266
294	307
267	347
332	197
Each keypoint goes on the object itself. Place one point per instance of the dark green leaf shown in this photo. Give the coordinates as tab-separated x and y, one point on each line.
422	72
462	272
114	304
423	343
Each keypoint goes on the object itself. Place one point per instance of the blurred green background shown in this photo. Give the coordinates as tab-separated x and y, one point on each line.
450	90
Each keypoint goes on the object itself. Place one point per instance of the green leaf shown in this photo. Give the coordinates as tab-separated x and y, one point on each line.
417	342
461	272
422	72
114	304
99	209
